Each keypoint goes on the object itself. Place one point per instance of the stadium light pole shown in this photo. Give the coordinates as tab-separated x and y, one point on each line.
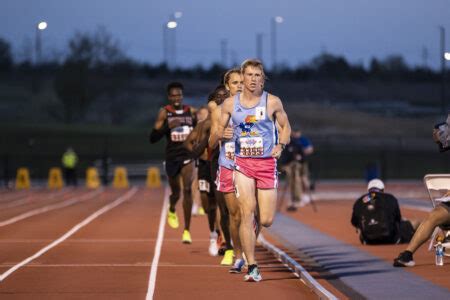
169	39
274	21
259	46
171	33
41	26
442	55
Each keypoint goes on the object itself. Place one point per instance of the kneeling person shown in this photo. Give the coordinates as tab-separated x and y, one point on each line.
377	218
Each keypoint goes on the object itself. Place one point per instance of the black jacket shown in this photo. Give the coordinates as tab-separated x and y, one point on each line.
379	201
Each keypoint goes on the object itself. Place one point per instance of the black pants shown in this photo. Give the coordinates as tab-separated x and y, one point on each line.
70	176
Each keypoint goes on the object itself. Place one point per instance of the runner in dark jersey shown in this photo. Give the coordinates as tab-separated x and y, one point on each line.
175	121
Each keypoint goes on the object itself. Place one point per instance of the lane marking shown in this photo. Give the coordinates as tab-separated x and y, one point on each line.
26	199
161	265
50	207
81	241
156	255
13	197
74	229
297	269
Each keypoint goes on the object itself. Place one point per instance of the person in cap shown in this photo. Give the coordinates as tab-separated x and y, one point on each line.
377	218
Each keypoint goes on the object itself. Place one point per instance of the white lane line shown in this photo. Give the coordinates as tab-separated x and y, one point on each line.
81	241
13	197
302	274
33	265
74	229
26	200
50	207
156	255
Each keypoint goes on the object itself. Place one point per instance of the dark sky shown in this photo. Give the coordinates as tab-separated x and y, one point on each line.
357	29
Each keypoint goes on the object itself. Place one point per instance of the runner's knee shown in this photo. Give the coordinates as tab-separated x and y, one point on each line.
266	221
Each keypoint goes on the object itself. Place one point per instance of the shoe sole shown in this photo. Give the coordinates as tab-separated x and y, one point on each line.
252	279
234	271
404	264
186	242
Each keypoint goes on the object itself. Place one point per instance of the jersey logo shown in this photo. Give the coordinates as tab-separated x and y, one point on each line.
247	125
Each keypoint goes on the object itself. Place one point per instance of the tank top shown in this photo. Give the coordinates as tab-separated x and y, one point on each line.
176	136
254	133
227	148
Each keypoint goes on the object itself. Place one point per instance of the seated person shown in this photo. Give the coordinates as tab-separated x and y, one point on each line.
441	135
440	215
377	218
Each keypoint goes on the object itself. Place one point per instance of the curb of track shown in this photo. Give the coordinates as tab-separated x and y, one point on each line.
295	267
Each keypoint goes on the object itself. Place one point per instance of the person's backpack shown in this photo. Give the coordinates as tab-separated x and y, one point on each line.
376	225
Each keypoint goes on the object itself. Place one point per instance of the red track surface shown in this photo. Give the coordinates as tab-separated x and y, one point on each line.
110	258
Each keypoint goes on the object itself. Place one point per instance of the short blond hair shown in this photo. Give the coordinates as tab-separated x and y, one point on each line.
253	62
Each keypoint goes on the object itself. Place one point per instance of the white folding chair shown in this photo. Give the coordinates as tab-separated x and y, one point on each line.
438	186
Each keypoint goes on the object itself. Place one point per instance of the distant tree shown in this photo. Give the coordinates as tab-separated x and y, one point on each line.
6	60
328	65
90	71
395	64
73	90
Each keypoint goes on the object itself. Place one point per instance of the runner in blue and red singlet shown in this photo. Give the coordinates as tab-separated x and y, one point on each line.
258	145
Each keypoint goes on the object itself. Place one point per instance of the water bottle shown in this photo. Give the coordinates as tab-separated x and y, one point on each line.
439	254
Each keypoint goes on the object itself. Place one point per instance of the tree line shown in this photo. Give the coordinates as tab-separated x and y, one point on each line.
96	67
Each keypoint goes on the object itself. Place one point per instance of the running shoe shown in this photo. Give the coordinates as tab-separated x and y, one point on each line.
213	249
227	258
405	259
253	274
172	219
186	237
195	209
291	208
238	266
201	211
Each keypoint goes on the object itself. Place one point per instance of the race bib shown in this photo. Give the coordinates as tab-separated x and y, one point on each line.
203	185
229	150
179	134
251	146
260	113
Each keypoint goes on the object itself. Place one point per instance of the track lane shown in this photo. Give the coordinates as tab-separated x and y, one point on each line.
9	210
109	258
47	226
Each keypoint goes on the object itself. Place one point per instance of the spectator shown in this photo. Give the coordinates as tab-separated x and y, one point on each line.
295	160
69	161
377	218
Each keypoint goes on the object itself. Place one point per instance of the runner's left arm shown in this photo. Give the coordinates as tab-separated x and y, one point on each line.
220	118
285	128
202	144
192	137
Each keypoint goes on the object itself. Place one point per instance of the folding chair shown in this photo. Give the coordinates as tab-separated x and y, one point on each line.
438	186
